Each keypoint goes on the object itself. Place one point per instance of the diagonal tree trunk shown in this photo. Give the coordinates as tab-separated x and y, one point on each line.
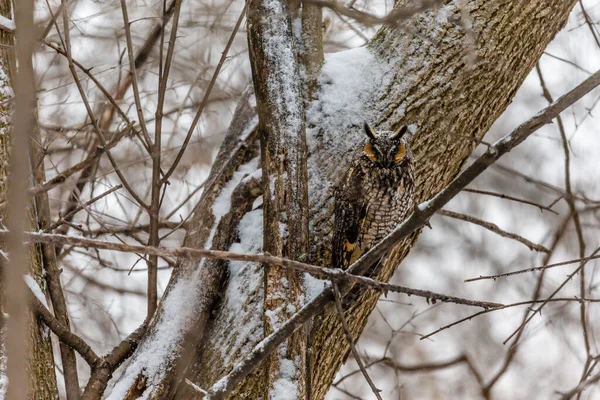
448	73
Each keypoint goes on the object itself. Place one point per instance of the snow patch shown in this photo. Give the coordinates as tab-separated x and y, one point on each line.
443	14
348	79
286	386
222	204
8	24
312	286
157	352
424	205
35	289
244	278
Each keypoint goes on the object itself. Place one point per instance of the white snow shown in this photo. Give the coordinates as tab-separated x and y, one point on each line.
7	24
6	93
157	351
312	286
349	78
35	289
279	51
222	204
424	205
503	140
3	378
443	13
257	203
244	278
286	386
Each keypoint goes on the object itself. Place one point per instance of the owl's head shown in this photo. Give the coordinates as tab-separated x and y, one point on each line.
387	149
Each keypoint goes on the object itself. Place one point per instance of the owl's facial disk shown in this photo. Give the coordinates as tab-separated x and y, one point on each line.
385	156
385	149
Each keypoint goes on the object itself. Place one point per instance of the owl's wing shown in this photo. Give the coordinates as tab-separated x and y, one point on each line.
350	212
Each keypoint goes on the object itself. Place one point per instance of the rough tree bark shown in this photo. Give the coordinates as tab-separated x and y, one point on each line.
448	73
281	127
42	377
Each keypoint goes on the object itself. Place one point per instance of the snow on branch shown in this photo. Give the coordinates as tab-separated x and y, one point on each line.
7	25
417	219
280	105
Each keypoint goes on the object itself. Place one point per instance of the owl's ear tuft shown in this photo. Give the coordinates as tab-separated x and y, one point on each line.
369	131
400	132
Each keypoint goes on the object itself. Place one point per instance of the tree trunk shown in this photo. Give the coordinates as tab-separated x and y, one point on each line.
41	373
448	73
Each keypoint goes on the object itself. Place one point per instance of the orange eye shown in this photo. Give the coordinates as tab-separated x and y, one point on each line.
400	153
370	152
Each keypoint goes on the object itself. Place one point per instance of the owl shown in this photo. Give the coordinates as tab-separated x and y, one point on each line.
374	196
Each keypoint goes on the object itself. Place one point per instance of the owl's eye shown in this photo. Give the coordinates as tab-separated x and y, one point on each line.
399	152
372	152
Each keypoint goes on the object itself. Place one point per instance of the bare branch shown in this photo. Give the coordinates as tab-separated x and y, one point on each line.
64	334
361	366
494	228
393	19
507	197
196	254
206	97
533	269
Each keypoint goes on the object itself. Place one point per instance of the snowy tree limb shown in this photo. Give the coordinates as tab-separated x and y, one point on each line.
7	25
417	219
278	88
424	75
494	228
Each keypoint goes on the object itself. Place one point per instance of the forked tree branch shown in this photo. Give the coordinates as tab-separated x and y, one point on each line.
417	219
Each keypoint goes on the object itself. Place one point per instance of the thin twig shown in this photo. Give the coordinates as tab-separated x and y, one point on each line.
157	183
207	93
350	338
62	176
507	197
196	254
506	306
107	115
532	269
393	19
494	228
90	113
91	201
539	309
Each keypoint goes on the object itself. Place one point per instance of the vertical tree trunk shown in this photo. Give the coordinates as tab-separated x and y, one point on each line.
280	105
42	377
447	77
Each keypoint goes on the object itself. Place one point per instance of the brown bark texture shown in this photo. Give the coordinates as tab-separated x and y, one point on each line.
281	127
40	365
448	73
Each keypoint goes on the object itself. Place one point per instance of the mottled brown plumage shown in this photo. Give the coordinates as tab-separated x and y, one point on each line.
374	196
